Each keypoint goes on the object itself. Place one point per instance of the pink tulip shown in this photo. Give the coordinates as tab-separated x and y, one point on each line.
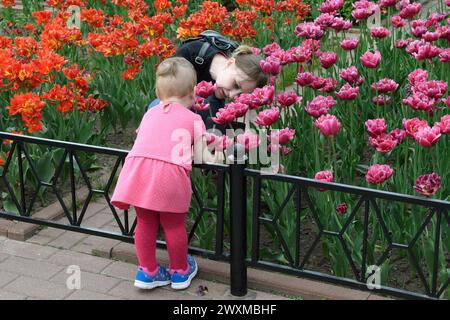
375	127
447	3
239	109
418	28
410	10
283	135
417	76
309	30
444	56
270	48
304	79
328	85
349	44
256	51
262	96
223	143
434	89
387	3
350	75
268	117
422	50
325	20
319	106
446	101
381	100
363	9
383	143
341	208
249	140
270	66
300	54
398	22
444	31
211	139
347	92
420	101
328	125
428	184
331	6
224	116
340	24
444	124
328	59
379	32
371	60
325	176
385	86
277	148
200	105
431	36
204	89
427	136
288	98
412	126
400	44
379	173
398	134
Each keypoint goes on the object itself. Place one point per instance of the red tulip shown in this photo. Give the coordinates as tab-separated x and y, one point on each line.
379	173
328	125
428	184
341	208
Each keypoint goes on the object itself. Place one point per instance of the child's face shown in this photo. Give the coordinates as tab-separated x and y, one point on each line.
232	81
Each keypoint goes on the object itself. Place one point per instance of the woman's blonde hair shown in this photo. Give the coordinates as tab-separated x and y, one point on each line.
248	62
175	77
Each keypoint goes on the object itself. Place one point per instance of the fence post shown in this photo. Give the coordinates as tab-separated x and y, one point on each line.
238	200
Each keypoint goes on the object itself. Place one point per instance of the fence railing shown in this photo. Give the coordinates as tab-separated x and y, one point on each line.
244	186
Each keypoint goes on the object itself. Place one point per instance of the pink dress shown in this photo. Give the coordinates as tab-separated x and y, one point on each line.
156	172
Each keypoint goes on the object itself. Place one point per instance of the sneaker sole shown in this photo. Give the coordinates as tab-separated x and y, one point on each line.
145	285
187	283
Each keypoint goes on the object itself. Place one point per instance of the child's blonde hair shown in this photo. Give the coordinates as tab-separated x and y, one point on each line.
175	77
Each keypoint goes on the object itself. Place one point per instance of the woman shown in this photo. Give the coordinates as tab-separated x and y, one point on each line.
233	74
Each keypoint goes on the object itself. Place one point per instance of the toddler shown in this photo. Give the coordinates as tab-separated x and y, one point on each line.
155	178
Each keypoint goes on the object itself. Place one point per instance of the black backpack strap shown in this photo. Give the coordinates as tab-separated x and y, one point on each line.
200	58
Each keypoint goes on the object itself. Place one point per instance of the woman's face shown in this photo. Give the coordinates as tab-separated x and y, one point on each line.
232	81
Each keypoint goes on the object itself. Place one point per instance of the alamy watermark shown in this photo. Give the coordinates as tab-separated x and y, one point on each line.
374	278
73	282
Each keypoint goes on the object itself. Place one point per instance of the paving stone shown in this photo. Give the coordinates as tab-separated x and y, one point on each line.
6	295
32	268
121	270
98	220
98	246
215	290
26	250
68	240
127	290
21	231
51	232
38	288
6	277
269	296
89	281
5	225
88	295
86	262
3	256
39	239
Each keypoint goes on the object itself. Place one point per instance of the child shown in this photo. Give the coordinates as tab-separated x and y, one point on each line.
155	178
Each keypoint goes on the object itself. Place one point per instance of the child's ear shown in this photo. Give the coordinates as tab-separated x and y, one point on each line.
231	61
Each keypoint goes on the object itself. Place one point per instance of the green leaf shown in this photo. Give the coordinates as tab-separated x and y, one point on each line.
10	207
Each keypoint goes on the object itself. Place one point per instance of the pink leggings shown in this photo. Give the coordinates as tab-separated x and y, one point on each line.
176	238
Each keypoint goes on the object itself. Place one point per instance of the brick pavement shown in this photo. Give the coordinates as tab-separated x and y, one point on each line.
39	271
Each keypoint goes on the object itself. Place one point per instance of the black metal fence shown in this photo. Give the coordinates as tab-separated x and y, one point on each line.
241	182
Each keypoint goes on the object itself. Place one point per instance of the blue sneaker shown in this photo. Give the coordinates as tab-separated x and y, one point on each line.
182	281
146	281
